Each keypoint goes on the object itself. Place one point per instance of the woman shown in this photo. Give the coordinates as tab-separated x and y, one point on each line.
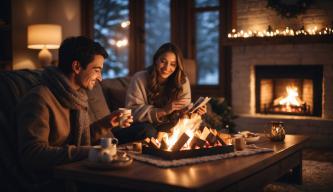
158	94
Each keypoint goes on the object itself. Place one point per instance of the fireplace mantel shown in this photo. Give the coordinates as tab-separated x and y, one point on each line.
326	39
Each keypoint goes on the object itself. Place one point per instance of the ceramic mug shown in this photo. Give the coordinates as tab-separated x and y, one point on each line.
110	144
125	114
104	152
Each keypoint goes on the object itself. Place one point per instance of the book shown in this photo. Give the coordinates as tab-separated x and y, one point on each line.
199	103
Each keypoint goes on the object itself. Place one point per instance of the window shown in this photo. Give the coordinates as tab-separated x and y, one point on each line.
206	3
197	27
111	29
157	27
207	41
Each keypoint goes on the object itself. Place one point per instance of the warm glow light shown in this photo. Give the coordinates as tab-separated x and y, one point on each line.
122	43
44	36
125	24
286	32
119	43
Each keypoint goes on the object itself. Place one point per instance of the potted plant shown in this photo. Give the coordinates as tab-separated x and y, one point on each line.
220	115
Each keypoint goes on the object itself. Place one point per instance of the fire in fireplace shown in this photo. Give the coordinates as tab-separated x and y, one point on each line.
290	101
291	90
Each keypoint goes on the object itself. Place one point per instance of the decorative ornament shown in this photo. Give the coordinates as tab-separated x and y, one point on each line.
277	131
289	8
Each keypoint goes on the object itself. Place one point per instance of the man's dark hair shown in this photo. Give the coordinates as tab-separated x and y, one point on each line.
81	49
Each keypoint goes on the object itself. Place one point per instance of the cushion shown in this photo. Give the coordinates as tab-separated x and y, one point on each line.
97	103
13	85
115	91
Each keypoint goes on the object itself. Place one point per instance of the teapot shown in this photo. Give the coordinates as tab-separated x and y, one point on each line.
105	152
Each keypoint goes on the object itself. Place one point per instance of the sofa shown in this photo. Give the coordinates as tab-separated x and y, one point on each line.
13	86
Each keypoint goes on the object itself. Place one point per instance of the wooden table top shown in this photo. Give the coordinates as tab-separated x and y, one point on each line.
198	177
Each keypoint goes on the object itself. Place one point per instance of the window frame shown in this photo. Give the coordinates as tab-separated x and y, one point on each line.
182	25
136	31
202	10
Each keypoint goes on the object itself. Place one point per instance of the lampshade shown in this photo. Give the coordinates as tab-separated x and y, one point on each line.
44	36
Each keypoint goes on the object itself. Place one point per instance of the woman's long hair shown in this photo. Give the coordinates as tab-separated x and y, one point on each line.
175	80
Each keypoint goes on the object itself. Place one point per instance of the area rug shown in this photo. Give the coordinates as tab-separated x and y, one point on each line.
317	177
180	162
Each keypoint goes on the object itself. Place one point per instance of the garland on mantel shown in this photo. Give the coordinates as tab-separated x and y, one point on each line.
289	9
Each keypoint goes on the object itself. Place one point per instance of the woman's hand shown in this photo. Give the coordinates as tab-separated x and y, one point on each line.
202	110
176	106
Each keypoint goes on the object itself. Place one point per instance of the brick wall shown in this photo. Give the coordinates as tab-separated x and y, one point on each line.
253	15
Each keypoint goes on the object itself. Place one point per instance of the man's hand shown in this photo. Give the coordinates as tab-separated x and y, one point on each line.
114	118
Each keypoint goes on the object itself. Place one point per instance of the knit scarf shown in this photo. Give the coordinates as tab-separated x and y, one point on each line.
75	100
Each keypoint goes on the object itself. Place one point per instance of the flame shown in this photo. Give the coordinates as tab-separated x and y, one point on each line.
292	97
290	100
185	125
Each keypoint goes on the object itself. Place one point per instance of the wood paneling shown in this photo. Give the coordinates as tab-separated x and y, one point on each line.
6	50
136	36
87	18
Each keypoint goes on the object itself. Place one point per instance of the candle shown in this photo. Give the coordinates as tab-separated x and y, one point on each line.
277	131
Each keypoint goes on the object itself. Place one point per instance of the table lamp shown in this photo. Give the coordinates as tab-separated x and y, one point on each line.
44	37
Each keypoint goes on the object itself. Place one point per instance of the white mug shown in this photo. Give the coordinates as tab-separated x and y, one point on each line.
110	144
106	142
104	152
125	114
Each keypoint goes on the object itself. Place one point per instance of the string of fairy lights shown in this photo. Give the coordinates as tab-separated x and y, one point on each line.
285	32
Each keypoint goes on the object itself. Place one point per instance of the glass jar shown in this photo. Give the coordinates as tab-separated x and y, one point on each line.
277	132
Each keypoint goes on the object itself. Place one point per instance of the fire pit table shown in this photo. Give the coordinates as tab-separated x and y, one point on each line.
187	153
249	173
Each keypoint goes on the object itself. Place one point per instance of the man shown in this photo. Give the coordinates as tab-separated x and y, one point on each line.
52	119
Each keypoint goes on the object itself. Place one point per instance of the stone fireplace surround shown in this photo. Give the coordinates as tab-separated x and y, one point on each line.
244	58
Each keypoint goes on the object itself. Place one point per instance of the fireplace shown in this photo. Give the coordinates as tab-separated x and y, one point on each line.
289	89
